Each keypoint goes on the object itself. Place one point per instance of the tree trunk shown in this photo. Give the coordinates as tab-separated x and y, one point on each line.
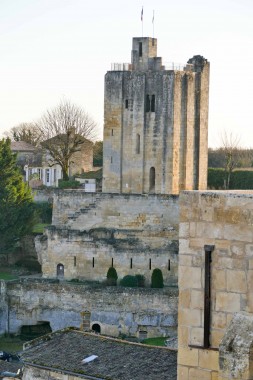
65	176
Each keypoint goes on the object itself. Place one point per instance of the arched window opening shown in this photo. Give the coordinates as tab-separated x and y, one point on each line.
60	270
138	142
153	103
152	179
96	327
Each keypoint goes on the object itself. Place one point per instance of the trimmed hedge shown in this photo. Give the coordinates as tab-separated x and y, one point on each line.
71	184
240	179
129	281
157	278
140	280
112	276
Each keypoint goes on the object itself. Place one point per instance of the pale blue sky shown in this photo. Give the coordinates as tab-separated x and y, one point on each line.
54	49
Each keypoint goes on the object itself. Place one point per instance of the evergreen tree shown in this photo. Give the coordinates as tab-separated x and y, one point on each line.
112	276
157	278
16	203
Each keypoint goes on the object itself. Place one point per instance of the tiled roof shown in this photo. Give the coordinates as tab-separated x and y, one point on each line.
10	366
22	146
117	360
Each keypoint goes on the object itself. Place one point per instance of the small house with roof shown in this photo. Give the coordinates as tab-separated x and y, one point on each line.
39	168
74	355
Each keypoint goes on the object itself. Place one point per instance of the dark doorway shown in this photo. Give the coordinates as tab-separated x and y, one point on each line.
152	180
60	270
29	332
96	327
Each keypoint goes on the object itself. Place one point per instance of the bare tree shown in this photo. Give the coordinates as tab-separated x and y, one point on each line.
28	132
232	153
65	130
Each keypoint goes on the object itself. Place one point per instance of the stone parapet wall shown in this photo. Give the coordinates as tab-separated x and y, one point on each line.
79	210
43	195
115	309
223	220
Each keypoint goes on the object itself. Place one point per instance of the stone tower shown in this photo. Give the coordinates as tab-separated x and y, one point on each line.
155	124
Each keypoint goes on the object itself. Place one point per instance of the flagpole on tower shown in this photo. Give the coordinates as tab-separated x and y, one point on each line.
153	21
142	20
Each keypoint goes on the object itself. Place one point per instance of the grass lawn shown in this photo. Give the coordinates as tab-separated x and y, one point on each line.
39	228
158	341
7	276
11	344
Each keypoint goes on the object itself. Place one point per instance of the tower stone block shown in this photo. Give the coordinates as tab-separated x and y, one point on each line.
155	124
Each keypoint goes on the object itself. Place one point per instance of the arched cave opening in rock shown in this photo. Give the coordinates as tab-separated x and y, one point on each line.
97	328
28	332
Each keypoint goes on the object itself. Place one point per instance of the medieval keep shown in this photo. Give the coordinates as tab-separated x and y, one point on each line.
155	124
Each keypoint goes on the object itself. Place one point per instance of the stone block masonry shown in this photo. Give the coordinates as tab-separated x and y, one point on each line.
155	132
91	232
223	221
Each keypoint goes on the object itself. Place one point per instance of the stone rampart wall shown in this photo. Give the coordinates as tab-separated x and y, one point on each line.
224	220
115	309
91	232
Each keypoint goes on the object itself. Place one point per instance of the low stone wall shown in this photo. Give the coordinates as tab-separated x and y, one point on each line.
38	373
115	309
43	195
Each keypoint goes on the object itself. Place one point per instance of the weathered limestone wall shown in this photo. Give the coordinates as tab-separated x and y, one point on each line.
155	118
222	219
43	195
91	232
236	348
3	308
115	309
32	372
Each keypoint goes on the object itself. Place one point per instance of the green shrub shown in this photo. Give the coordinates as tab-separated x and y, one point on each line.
129	281
240	179
140	280
112	276
157	278
44	211
29	263
71	184
216	178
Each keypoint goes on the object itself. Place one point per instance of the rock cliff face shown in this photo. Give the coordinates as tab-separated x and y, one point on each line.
115	309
